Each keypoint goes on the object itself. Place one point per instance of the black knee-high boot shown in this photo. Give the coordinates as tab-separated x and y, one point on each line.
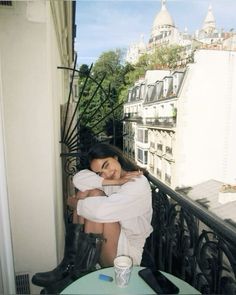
45	279
88	254
87	257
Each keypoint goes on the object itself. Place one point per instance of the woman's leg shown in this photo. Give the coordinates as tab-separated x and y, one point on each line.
111	233
77	219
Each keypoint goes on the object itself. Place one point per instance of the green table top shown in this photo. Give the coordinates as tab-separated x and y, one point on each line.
91	284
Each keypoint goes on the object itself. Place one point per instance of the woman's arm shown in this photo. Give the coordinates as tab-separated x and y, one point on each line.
72	201
133	199
129	176
86	180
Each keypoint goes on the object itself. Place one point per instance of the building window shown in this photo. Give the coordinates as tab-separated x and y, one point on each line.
169	150
152	145
5	3
142	156
158	172
160	146
146	136
167	178
143	135
151	162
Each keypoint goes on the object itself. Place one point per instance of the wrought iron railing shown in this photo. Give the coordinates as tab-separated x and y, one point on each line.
82	127
167	122
188	240
191	242
161	121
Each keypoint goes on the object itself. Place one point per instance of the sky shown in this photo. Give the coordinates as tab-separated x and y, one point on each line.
116	24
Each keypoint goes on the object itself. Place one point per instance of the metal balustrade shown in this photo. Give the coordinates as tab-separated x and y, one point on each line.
188	240
191	242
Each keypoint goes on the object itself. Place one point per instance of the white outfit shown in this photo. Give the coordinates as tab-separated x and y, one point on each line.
130	205
87	179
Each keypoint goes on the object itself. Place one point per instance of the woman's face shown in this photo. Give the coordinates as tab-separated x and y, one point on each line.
108	168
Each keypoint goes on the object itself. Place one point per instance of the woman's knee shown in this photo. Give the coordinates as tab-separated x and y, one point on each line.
107	229
111	234
112	229
93	227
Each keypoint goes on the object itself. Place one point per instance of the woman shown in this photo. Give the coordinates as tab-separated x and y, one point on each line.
113	224
123	218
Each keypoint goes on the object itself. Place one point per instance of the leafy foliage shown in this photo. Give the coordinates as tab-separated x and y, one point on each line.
108	85
100	95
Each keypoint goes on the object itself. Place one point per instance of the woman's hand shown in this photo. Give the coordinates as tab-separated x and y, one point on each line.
128	176
72	202
82	195
133	173
90	193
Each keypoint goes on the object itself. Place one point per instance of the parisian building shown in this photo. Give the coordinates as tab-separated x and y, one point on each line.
180	124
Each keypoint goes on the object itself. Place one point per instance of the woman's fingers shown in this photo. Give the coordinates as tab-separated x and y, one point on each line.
133	174
72	201
130	176
82	195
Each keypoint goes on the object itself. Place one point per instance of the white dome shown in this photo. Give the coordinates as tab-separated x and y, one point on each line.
209	21
163	18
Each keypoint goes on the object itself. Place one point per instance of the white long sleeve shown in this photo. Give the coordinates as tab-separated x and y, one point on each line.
131	206
86	180
133	199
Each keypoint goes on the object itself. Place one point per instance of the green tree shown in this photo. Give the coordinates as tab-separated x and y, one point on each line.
166	57
84	70
98	101
116	78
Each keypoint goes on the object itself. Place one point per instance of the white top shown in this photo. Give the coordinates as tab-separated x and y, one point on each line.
131	206
86	180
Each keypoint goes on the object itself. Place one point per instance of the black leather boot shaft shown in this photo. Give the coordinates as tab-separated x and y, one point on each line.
45	279
87	257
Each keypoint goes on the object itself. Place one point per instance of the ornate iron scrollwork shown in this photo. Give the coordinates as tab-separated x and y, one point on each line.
217	263
186	241
183	244
80	130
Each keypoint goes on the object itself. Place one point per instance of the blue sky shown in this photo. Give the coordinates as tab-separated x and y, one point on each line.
111	24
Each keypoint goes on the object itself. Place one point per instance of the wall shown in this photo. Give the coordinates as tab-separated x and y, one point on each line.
33	89
1	282
204	141
7	278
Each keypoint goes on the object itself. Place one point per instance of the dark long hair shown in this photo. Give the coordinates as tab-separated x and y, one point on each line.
103	150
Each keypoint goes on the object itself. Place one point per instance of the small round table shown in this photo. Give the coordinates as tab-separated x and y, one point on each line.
91	284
